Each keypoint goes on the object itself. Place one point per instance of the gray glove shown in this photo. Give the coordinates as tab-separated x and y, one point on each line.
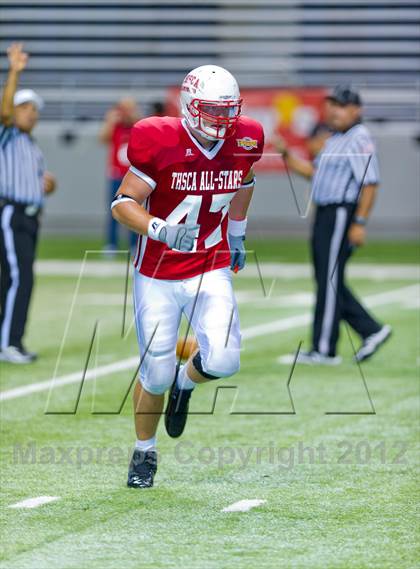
237	252
180	237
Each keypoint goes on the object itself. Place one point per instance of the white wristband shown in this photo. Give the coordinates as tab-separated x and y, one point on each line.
154	227
236	227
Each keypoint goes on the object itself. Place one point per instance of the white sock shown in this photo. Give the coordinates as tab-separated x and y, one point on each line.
149	444
183	380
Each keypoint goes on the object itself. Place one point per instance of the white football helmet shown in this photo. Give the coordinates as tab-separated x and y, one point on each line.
210	102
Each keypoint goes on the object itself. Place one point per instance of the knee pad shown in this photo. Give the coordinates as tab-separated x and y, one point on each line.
220	362
157	372
198	366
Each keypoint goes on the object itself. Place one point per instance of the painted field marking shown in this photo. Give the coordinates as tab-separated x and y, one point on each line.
34	502
280	325
74	377
243	505
247	297
104	269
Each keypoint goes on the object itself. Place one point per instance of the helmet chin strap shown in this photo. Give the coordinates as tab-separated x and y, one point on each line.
207	136
215	138
201	136
201	128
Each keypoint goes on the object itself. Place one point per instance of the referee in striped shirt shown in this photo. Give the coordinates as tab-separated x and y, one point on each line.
345	178
23	185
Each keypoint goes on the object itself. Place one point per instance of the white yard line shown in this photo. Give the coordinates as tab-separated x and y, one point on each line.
371	271
304	299
280	325
103	269
399	295
243	505
35	502
256	297
276	326
74	377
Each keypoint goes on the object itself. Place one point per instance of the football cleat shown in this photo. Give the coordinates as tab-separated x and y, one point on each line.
372	343
176	413
142	469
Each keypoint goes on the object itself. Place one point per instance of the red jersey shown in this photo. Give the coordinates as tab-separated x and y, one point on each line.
118	163
191	184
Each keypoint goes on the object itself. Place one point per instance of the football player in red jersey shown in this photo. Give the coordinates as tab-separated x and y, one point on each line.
186	194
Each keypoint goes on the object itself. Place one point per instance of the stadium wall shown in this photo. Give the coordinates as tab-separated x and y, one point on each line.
79	206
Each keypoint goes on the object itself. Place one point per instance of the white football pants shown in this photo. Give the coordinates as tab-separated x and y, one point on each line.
208	303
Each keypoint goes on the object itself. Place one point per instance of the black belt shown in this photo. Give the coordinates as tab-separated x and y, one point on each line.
336	205
26	208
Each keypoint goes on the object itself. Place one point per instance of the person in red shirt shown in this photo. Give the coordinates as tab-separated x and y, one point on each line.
186	194
115	132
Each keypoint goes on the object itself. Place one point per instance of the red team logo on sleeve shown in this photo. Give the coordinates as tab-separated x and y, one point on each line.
191	184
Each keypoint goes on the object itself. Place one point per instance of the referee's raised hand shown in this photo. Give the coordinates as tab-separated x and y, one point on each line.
18	59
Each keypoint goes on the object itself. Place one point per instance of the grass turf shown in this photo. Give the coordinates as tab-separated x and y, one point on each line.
340	489
276	250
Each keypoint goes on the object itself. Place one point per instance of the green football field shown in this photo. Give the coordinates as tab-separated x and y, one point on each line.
330	453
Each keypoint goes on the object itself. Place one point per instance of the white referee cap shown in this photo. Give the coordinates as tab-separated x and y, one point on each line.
28	96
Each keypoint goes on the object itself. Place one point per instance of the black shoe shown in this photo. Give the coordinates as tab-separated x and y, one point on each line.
372	343
176	413
142	469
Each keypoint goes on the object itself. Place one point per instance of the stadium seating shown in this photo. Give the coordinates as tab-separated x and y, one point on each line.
85	55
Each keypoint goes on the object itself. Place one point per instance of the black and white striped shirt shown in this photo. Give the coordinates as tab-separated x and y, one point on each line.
347	162
22	167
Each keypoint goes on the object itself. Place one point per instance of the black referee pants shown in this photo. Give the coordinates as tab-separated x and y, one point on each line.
18	238
334	300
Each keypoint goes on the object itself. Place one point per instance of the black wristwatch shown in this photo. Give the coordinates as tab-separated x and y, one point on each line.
359	220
